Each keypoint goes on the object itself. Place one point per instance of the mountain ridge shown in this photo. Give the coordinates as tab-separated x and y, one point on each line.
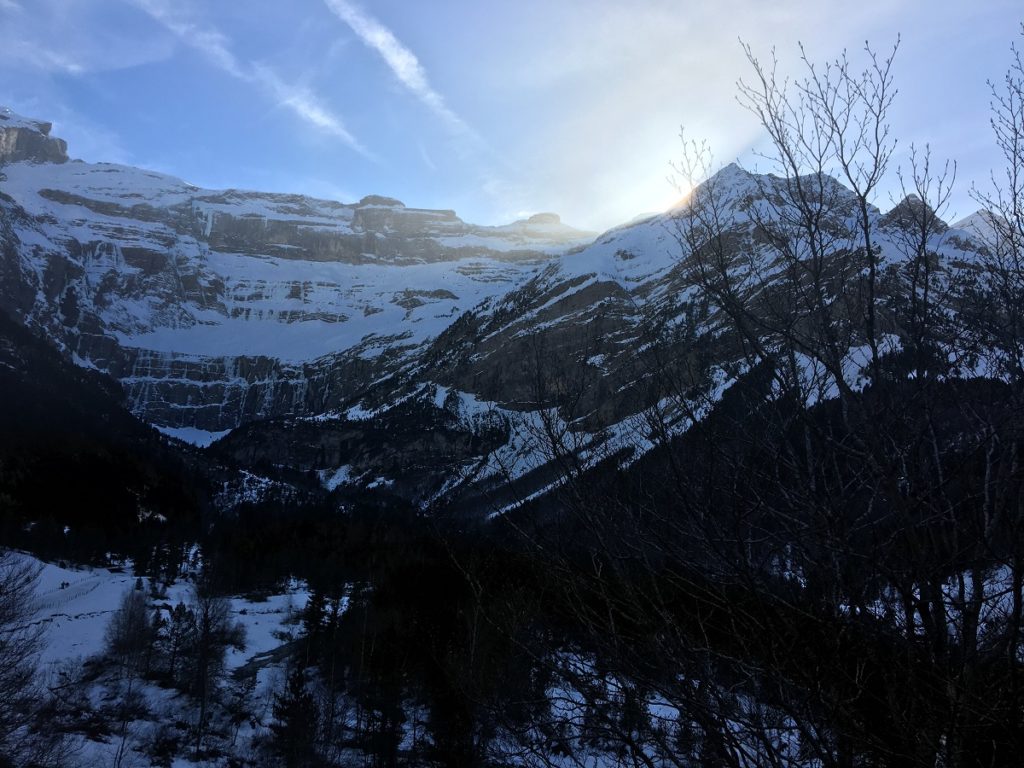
302	319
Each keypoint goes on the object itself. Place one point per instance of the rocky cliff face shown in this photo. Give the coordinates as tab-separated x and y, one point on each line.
23	140
214	308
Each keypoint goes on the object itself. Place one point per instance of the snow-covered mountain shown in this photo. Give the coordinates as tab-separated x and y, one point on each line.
375	344
216	307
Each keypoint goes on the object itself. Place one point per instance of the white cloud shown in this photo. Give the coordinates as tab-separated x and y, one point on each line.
304	103
209	41
57	37
428	161
40	57
301	101
400	60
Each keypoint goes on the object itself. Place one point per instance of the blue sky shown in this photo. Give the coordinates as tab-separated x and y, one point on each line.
496	109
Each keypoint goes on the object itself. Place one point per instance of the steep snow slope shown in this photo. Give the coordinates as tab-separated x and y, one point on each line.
620	336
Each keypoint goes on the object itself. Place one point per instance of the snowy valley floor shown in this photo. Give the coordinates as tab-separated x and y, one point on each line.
74	607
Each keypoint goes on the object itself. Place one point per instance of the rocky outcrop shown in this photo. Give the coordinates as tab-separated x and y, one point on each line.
414	450
375	230
220	393
23	140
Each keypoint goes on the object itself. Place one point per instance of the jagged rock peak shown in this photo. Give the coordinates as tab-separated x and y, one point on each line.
910	210
729	180
23	138
732	170
731	174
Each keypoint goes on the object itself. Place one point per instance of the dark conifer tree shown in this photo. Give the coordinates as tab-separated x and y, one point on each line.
296	718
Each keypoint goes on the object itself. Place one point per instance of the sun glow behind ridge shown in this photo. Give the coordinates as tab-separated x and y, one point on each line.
572	107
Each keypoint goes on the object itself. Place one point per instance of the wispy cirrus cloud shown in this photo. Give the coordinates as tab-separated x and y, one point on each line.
400	60
301	101
54	37
32	54
307	105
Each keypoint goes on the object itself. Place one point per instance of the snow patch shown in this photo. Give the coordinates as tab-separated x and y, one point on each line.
198	437
331	479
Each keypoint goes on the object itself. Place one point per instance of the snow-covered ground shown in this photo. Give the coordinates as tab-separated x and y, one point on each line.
198	437
74	605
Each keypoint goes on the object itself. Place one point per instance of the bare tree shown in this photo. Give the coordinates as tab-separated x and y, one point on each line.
24	737
215	632
1002	226
828	565
19	648
873	509
130	633
995	298
130	638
